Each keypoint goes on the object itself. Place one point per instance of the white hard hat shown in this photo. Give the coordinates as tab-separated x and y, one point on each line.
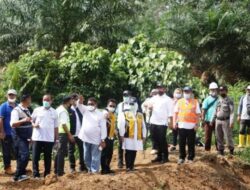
248	87
12	91
213	85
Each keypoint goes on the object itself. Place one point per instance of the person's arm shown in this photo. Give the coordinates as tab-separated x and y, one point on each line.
231	114
82	108
170	108
198	112
63	121
240	107
103	125
204	110
175	117
2	113
15	122
56	127
34	117
144	129
121	126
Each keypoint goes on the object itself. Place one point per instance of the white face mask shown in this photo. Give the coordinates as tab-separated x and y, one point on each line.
11	100
213	94
111	109
187	96
178	95
91	108
126	99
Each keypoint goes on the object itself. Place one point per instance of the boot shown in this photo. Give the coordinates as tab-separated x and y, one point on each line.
248	141
241	141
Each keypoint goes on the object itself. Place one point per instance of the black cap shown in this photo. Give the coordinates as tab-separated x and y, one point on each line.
224	87
67	98
187	88
74	95
159	84
126	93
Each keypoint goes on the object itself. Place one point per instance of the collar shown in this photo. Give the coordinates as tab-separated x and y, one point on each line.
20	105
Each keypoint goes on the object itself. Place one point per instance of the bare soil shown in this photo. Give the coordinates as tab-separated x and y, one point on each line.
208	171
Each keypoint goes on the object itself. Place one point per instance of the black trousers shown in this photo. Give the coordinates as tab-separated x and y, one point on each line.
245	127
39	147
187	136
120	151
175	136
107	154
159	136
8	150
72	159
130	156
22	155
151	129
61	154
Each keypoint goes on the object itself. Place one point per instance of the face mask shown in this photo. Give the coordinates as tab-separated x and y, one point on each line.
125	98
187	96
91	108
177	95
46	104
214	94
11	100
223	95
111	109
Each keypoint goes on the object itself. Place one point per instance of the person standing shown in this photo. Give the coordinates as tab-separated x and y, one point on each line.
187	113
76	124
93	134
148	113
107	152
162	111
45	134
224	121
244	118
6	133
208	111
177	96
22	126
64	134
132	129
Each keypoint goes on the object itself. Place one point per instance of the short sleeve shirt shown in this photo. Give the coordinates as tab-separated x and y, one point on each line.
211	111
5	114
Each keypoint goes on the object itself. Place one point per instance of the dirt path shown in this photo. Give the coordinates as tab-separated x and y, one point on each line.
207	172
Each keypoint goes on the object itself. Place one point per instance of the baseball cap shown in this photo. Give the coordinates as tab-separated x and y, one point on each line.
187	88
12	91
223	88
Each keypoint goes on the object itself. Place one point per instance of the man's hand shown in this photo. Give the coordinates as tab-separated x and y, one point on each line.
2	135
27	119
71	138
238	118
35	126
232	126
103	144
81	99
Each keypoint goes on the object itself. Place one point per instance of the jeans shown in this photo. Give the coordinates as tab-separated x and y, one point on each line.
187	136
22	155
208	135
107	154
245	127
159	136
8	150
72	159
37	148
61	154
130	156
92	157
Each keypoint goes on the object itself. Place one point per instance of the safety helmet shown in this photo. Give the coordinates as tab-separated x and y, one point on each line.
213	85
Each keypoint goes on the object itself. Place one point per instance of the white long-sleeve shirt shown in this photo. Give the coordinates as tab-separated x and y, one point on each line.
93	128
129	143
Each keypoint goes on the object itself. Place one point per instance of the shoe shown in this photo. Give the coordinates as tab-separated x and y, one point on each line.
173	148
153	152
241	141
38	178
156	160
9	171
21	178
164	161
232	152
180	161
221	152
120	165
129	170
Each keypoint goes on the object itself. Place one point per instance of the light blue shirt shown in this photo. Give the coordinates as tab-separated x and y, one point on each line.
211	111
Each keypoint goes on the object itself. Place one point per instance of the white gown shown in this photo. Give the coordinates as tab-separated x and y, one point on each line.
129	143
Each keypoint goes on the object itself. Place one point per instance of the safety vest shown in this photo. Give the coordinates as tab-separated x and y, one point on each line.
111	125
187	111
60	110
130	125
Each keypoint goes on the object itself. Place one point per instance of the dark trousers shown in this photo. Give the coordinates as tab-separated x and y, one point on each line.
72	160
245	127
175	136
187	136
22	155
151	128
8	150
39	147
130	156
209	130
62	150
107	154
159	136
120	151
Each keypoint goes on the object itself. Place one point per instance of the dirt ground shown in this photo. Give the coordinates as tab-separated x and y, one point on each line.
209	171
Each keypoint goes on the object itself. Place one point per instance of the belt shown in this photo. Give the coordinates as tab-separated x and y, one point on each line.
223	118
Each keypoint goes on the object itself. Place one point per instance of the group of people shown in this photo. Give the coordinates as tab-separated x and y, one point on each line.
93	131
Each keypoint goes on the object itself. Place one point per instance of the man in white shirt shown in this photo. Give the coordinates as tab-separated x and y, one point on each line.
93	133
75	126
45	133
162	111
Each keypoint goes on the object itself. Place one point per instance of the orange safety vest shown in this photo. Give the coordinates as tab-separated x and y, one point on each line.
130	125
187	111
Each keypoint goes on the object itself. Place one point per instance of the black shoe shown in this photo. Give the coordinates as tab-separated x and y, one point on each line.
120	165
164	161
156	160
232	152
221	152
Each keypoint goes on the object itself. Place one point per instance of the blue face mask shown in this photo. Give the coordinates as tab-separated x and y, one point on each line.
46	104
